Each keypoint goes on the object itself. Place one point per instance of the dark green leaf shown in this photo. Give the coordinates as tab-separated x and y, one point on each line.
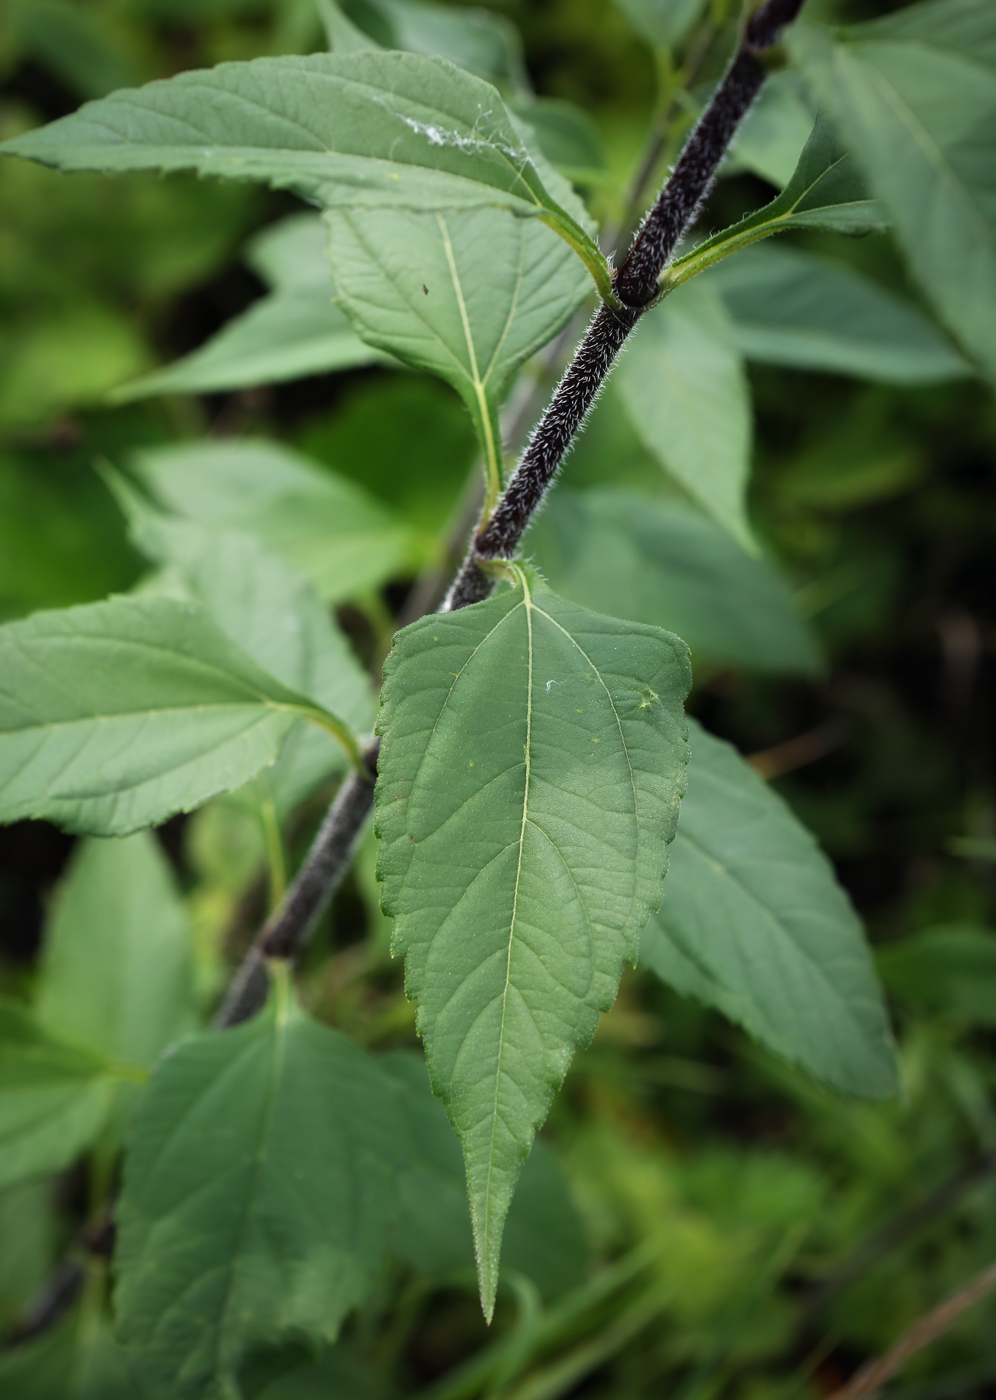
115	715
365	129
72	43
325	526
663	23
665	564
258	1194
791	308
80	1361
117	972
914	94
532	762
54	1096
950	969
754	923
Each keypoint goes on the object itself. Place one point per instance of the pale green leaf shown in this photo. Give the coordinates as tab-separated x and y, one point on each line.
791	308
825	192
755	924
115	715
684	386
269	610
775	131
530	771
914	94
469	295
54	1097
325	526
663	23
663	563
291	255
258	1193
543	1235
365	129
117	972
950	969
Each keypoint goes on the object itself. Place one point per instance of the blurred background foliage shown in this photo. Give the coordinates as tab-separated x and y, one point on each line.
754	1235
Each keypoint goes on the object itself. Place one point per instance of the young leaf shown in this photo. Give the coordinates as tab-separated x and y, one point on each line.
687	395
915	96
825	193
791	308
469	295
115	715
755	924
54	1097
117	973
543	1235
325	526
531	766
258	1193
666	564
364	129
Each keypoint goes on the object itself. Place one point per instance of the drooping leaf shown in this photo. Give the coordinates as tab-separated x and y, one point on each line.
791	308
269	610
325	526
54	1096
531	766
543	1236
469	295
115	715
117	973
685	388
914	94
662	563
755	924
258	1193
951	969
364	129
825	192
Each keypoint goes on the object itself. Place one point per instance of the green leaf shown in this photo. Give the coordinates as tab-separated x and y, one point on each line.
325	526
337	1375
567	136
365	129
115	715
54	1097
543	1234
824	193
79	1361
258	1193
755	924
791	308
662	563
663	23
117	973
271	612
531	766
72	43
478	40
469	295
774	132
342	35
950	969
684	386
914	95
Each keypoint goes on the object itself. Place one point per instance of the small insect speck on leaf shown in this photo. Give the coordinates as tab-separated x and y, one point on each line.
425	289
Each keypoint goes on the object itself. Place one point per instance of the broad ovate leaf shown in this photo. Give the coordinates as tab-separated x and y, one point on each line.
664	563
774	132
914	94
325	526
531	766
115	715
755	924
258	1195
805	312
117	968
684	386
825	192
362	129
55	1096
468	294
